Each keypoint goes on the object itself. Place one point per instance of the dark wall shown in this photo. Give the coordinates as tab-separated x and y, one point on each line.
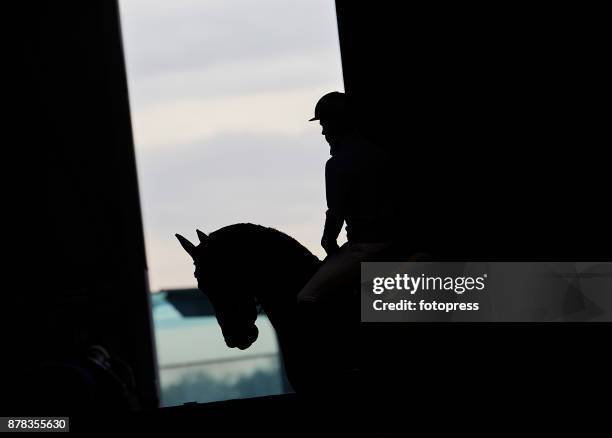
88	282
496	116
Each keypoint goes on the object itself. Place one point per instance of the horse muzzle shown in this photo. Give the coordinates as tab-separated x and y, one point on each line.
242	339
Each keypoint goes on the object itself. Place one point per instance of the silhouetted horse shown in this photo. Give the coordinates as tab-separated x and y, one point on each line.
243	265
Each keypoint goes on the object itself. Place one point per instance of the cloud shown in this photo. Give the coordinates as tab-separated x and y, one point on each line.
182	35
186	120
300	70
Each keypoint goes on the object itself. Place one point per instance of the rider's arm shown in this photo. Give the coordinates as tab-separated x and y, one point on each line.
336	194
333	226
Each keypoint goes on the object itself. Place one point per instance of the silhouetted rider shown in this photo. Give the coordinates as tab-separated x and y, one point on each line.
359	193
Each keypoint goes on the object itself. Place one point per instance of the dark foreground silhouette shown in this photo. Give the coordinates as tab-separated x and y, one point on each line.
242	266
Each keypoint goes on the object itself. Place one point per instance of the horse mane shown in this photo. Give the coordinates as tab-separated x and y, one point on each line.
258	241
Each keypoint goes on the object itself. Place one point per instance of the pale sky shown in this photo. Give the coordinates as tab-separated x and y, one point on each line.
220	93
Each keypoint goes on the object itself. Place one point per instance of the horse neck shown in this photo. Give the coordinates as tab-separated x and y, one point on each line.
278	293
278	296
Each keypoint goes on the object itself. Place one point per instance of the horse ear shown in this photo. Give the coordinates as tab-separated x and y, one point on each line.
187	245
203	237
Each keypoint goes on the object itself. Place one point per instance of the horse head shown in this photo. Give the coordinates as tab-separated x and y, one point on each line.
235	306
